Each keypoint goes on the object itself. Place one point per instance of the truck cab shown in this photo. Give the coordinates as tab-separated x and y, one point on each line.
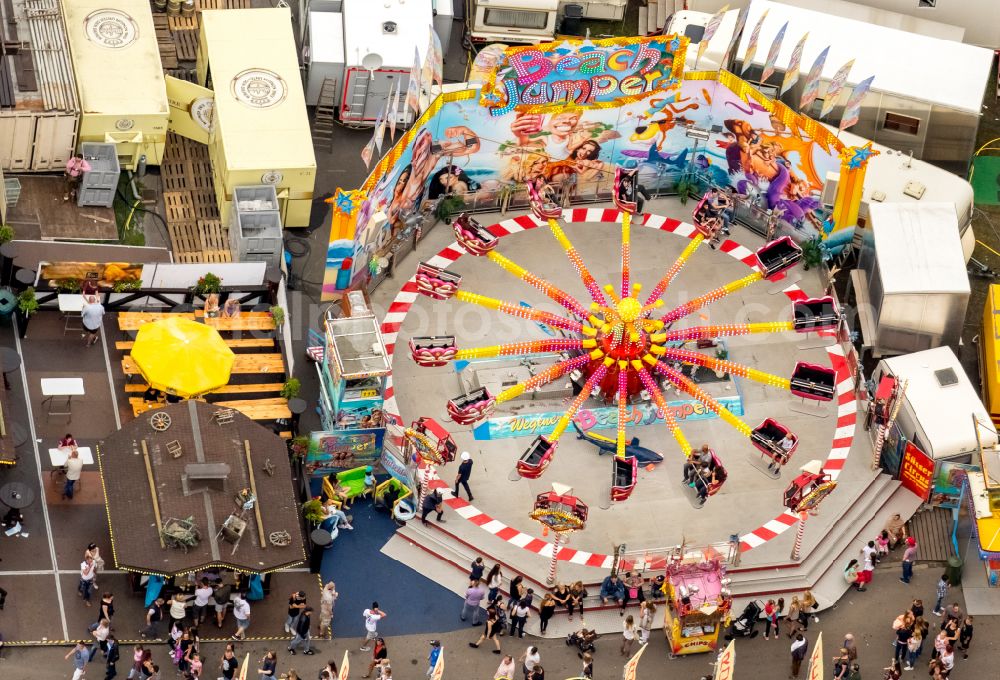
514	21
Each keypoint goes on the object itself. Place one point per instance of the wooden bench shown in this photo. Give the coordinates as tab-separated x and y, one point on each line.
240	323
132	321
255	409
200	313
251	388
233	343
242	363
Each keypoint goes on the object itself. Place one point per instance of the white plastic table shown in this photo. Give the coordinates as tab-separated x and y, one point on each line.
61	387
59	455
71	306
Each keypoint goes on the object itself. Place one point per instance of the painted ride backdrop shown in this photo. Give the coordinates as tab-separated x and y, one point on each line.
762	149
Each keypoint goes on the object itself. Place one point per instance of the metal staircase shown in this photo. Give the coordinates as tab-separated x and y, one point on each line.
353	107
322	130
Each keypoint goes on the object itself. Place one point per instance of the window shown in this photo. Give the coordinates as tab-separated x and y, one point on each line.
900	123
516	18
694	33
931	4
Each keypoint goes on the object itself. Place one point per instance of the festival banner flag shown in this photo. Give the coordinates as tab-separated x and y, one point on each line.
345	668
710	29
752	45
628	673
393	111
246	666
816	660
427	71
741	22
378	133
811	89
852	112
438	672
834	88
792	72
366	153
725	665
772	54
413	86
436	56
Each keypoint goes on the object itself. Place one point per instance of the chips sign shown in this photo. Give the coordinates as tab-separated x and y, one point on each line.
589	74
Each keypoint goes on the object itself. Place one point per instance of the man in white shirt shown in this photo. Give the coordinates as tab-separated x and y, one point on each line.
88	571
74	466
372	617
241	611
529	660
92	318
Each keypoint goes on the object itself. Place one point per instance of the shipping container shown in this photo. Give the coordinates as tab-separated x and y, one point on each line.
122	91
261	131
38	124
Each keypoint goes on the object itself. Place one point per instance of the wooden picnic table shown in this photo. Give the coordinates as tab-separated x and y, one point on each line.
233	343
132	321
256	409
242	363
250	388
240	323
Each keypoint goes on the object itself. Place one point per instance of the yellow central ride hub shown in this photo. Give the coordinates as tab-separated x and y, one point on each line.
628	309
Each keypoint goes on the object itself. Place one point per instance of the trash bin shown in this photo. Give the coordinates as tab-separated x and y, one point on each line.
572	14
954	570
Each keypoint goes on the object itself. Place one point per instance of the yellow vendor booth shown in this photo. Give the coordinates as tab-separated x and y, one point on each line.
116	60
261	129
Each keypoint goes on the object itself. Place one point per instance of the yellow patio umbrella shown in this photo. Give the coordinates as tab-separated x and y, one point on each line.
182	357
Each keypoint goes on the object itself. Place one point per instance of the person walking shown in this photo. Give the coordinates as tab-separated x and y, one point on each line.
794	611
647	615
202	594
138	656
195	665
222	596
303	625
88	572
268	665
841	664
74	466
909	557
464	473
95	553
432	656
546	610
327	598
112	654
241	611
494	581
178	609
100	632
380	654
153	617
798	651
491	632
92	319
372	616
505	671
229	663
433	502
628	635
474	596
529	660
107	607
80	659
943	585
965	637
296	604
851	646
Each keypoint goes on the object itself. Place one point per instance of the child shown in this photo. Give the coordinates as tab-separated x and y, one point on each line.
369	480
882	544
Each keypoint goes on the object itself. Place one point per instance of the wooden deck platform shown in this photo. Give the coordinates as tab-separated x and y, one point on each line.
41	211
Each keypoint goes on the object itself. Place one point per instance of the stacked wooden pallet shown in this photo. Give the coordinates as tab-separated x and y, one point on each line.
196	234
165	41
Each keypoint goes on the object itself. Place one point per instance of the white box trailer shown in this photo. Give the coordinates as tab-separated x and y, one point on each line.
324	54
939	404
379	43
514	21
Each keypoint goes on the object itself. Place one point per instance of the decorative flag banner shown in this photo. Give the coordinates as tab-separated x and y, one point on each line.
816	660
741	22
345	668
792	72
628	673
427	72
436	57
752	45
413	87
811	89
378	134
366	153
834	88
393	112
772	54
710	29
438	672
726	663
246	665
852	112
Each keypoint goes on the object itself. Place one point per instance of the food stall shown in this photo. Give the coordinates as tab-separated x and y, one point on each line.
261	131
116	60
698	602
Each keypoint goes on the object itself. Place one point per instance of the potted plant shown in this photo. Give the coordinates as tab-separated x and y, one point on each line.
27	305
6	234
278	314
291	388
130	286
722	354
68	285
209	283
447	206
312	511
812	253
299	446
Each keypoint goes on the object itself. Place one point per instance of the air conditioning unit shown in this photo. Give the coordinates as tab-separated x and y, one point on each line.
830	188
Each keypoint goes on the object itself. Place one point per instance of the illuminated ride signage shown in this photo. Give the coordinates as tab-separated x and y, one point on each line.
592	74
